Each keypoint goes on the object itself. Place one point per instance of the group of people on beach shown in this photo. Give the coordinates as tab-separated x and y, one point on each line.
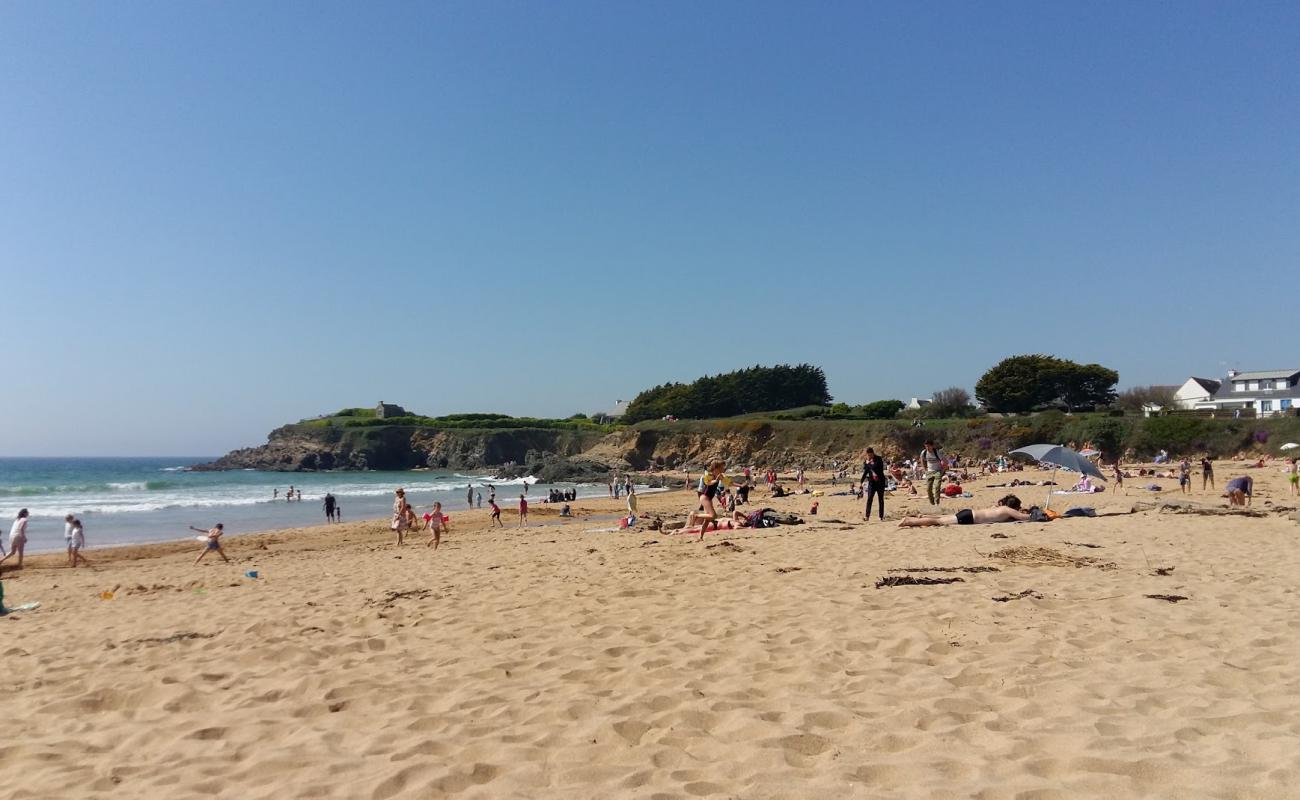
74	535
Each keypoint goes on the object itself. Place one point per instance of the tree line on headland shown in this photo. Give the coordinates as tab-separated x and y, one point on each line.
1018	384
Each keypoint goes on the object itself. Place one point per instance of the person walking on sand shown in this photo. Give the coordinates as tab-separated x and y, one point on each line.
931	461
631	500
75	538
436	524
329	507
1119	478
523	511
17	539
873	482
1293	478
496	513
1207	472
213	542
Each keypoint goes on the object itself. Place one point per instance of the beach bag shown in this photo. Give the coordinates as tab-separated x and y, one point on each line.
1036	514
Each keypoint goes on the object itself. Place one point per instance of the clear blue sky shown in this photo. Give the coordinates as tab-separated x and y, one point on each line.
218	217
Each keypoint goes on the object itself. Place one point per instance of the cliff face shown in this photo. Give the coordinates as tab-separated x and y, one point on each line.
307	447
554	455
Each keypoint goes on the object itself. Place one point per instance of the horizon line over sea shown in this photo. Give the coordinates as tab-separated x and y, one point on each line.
144	499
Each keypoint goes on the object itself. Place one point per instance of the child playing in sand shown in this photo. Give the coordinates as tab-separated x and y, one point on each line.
436	523
496	513
523	511
213	542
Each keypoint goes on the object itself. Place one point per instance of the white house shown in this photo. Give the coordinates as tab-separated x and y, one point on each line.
918	403
1196	391
1268	392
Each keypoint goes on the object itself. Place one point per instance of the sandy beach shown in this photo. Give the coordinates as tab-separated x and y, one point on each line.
568	661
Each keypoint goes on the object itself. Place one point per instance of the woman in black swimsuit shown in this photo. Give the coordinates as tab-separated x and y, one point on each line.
1207	472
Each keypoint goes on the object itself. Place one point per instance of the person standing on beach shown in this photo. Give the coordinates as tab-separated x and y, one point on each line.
329	507
469	495
213	542
931	460
1293	478
76	537
478	499
398	524
1185	476
1119	478
631	500
523	511
1207	472
17	538
496	513
275	493
873	482
288	496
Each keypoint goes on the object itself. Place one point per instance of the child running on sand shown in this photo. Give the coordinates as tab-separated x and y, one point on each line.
436	524
496	514
213	542
523	511
711	482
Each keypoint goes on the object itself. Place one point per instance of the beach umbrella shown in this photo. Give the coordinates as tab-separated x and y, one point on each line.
1089	453
1058	456
1290	446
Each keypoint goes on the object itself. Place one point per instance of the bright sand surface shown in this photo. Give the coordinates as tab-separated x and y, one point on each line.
554	662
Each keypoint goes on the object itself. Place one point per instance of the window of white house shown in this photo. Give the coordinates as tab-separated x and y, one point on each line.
1265	405
1254	386
1266	384
1238	386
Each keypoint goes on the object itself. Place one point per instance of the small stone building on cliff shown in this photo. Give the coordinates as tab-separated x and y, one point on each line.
384	410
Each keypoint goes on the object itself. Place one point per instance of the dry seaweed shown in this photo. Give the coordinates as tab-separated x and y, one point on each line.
1046	556
1030	593
1168	598
946	569
909	580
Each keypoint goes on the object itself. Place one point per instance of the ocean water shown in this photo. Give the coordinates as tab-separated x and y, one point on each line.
139	500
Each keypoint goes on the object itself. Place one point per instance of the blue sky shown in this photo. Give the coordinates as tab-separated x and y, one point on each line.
218	217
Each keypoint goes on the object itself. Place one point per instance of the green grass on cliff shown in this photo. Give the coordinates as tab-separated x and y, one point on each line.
365	418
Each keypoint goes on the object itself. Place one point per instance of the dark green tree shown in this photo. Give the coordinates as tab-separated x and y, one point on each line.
1030	382
745	391
881	409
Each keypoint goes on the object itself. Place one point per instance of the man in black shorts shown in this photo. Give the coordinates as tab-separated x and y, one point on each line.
1007	510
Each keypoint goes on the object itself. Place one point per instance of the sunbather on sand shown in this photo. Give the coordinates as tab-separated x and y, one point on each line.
1007	510
739	519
